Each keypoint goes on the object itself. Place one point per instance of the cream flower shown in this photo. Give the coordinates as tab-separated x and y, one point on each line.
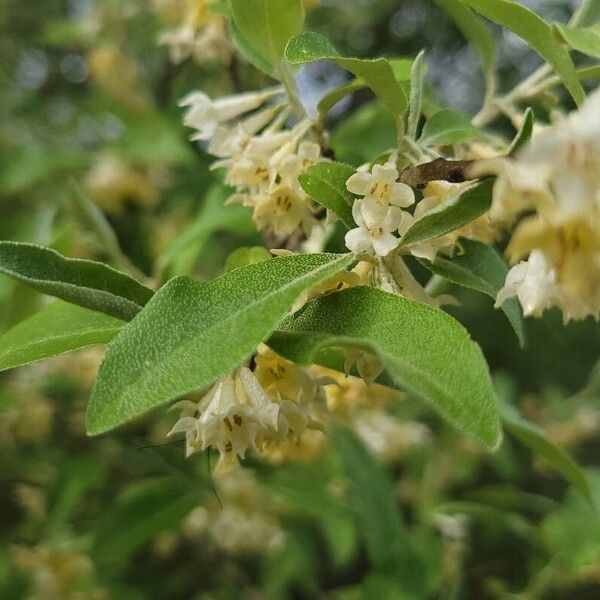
534	283
283	211
205	115
375	230
308	154
381	186
228	141
241	413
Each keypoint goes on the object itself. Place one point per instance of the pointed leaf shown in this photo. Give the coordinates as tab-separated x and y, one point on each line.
325	182
86	283
417	75
56	329
425	351
190	334
524	134
376	73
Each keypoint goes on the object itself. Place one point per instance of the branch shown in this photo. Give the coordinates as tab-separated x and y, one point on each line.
439	169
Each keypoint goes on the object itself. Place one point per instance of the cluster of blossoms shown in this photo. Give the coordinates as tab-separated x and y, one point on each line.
382	222
262	157
197	31
553	187
252	409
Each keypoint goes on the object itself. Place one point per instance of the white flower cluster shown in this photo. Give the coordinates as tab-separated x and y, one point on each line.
381	220
250	410
378	213
556	181
263	159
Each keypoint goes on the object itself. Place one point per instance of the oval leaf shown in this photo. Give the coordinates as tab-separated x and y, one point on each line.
424	350
86	283
56	329
452	214
376	73
325	182
448	127
190	334
479	267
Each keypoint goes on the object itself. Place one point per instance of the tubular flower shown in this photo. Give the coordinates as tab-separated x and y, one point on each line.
249	410
557	176
262	158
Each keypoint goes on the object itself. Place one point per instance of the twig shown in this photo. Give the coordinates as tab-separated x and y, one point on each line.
440	169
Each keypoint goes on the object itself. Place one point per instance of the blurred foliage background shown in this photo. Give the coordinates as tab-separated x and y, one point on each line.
89	117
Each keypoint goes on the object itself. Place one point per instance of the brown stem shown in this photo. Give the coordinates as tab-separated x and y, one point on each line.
440	169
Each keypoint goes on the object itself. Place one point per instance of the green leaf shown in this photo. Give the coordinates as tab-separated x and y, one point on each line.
83	282
524	134
583	39
56	329
373	500
190	334
537	33
267	25
325	182
533	437
587	14
242	257
330	99
141	512
451	215
482	269
417	75
474	31
424	350
376	73
248	52
448	127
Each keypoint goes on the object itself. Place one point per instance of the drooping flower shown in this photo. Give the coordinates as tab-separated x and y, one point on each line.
205	115
534	282
240	413
557	176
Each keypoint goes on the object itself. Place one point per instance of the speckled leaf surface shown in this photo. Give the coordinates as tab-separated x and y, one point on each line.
192	333
425	351
86	283
54	330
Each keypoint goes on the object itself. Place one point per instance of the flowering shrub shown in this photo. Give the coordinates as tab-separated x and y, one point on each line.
316	337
